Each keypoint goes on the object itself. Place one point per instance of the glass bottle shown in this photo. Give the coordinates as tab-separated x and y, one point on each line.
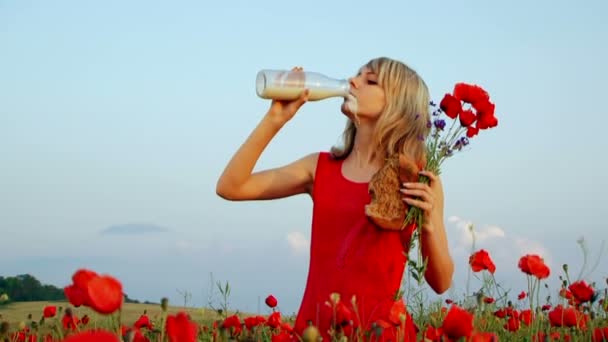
288	85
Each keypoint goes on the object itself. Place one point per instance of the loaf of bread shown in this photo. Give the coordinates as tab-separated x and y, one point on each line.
387	208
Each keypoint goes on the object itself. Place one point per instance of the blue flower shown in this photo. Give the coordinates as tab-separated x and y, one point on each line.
439	124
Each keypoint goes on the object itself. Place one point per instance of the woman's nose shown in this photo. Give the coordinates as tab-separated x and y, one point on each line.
353	82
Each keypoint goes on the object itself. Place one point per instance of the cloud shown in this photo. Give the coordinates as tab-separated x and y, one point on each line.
466	230
298	243
133	229
526	246
504	247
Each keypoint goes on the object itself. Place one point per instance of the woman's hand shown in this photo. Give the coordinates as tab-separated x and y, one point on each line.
282	111
429	198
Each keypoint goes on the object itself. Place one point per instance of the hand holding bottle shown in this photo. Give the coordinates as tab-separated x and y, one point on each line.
282	111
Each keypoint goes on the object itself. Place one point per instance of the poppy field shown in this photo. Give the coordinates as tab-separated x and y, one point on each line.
577	311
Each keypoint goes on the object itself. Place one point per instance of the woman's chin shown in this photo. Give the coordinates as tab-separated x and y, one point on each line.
346	110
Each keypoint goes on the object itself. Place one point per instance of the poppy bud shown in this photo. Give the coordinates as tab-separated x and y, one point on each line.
565	267
335	297
271	301
310	334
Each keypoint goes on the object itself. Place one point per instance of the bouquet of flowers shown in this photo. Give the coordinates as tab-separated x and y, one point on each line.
470	110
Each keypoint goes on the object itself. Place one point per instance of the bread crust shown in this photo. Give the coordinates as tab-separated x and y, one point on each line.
387	209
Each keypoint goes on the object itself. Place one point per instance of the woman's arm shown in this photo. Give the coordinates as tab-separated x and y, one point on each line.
238	182
440	267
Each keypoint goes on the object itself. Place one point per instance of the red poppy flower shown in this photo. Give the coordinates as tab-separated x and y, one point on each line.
600	334
451	106
22	336
582	291
180	329
542	337
467	117
250	322
81	277
512	324
75	295
285	326
397	310
232	324
457	323
481	260
282	336
143	322
486	121
568	317
485	115
472	131
506	312
49	311
500	313
534	265
271	301
84	320
69	321
254	321
526	316
77	292
565	293
470	93
92	336
433	334
488	300
139	337
521	295
274	320
483	337
105	294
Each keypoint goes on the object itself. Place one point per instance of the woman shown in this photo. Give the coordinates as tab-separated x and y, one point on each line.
349	254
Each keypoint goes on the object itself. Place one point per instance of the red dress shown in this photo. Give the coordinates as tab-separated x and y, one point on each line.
350	255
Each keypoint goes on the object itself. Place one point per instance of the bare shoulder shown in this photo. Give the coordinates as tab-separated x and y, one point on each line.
310	163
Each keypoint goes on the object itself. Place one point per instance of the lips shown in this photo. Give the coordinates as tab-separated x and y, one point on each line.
351	103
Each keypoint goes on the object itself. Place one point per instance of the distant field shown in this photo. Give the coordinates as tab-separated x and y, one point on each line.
18	312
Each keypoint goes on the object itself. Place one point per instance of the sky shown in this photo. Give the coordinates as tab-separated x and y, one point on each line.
117	118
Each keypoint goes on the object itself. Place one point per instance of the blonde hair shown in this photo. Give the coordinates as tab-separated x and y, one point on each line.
403	125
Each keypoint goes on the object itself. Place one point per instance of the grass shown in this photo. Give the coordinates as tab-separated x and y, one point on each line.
14	313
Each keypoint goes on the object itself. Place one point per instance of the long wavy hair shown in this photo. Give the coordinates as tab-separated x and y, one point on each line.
402	127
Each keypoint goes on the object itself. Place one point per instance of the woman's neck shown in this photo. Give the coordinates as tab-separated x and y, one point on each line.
362	153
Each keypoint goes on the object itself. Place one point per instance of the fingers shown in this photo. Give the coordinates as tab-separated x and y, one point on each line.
434	179
423	197
417	185
418	203
429	174
303	98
